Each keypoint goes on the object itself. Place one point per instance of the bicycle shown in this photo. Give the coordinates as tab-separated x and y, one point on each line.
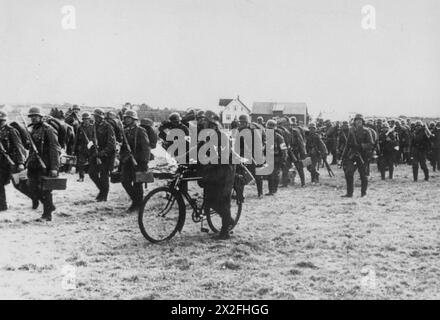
163	211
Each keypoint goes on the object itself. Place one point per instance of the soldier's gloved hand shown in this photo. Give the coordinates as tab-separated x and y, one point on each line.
20	168
53	173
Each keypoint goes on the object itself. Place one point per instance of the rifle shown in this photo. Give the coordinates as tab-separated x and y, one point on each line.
6	155
345	147
133	160
427	131
390	130
32	143
329	169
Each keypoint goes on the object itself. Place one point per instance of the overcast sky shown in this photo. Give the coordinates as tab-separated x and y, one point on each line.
182	53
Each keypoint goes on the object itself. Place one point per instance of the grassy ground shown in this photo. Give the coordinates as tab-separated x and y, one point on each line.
304	243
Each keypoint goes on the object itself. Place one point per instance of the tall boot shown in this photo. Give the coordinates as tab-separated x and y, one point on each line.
3	204
364	187
415	173
302	177
48	207
259	183
350	185
270	183
426	172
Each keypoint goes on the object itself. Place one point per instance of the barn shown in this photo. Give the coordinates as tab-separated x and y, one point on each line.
269	110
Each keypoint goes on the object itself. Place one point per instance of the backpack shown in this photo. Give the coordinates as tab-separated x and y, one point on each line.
21	132
117	128
60	129
152	136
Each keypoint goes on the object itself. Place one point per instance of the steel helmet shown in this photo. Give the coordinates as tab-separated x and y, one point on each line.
271	124
147	122
99	113
212	116
131	114
200	114
3	115
243	118
174	117
86	115
35	111
111	115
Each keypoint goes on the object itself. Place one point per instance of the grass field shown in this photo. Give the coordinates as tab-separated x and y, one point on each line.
304	243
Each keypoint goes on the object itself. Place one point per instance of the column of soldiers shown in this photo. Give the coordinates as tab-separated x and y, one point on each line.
353	145
94	146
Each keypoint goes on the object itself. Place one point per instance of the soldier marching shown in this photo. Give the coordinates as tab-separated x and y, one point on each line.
36	148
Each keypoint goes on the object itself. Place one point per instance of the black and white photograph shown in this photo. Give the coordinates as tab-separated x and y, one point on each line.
219	150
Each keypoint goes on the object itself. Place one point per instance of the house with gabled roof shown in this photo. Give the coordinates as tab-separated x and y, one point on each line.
232	109
270	110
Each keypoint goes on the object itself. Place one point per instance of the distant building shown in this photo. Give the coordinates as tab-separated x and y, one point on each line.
269	110
232	110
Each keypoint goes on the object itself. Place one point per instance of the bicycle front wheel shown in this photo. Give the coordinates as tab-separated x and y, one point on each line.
161	214
214	219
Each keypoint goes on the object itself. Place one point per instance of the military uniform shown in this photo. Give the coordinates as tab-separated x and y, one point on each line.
436	148
245	150
359	147
101	160
419	148
388	141
404	135
342	137
46	142
218	180
279	150
331	141
137	139
84	134
317	150
11	146
298	151
287	163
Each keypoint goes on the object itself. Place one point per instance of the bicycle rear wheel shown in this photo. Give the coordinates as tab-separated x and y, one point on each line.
215	220
161	214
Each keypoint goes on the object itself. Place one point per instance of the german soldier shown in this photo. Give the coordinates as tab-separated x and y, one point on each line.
102	154
84	134
283	129
12	156
343	137
280	157
331	138
388	142
359	147
298	148
257	137
218	179
135	154
436	146
72	117
420	145
48	153
317	150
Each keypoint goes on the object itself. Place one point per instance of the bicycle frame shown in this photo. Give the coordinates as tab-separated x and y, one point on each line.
175	185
